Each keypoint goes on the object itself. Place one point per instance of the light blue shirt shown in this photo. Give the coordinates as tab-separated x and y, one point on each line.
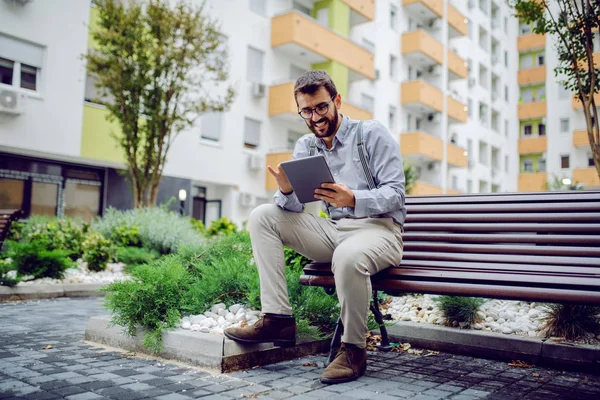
385	162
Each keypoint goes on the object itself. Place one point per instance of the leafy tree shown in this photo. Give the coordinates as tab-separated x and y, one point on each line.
160	63
572	23
410	177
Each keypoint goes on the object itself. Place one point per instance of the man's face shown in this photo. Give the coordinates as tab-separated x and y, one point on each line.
320	103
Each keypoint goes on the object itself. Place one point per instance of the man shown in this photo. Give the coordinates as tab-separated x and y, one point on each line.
363	235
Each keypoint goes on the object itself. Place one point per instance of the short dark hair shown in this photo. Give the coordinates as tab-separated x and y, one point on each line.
311	81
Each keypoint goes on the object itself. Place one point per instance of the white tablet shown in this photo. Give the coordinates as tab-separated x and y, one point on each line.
307	174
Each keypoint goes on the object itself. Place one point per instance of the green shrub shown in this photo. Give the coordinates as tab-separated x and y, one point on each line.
33	259
151	299
221	226
97	251
54	233
162	230
198	226
8	275
571	321
127	236
458	310
133	256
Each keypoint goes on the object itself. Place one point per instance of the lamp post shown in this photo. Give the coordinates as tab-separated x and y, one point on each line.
182	197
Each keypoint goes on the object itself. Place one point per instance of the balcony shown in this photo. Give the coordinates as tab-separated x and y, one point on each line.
307	41
454	191
421	147
456	156
457	111
421	188
421	97
273	159
587	176
532	41
533	182
97	141
457	23
457	67
580	138
421	48
532	110
533	145
282	103
531	75
362	10
428	9
577	104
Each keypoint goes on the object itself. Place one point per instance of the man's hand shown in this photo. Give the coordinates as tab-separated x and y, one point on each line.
336	194
282	181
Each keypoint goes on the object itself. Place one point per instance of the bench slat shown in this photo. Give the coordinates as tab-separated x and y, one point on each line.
466	208
519	198
503	227
472	290
504	217
502	258
575	251
584	240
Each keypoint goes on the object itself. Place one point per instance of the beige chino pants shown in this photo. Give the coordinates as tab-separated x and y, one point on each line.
357	249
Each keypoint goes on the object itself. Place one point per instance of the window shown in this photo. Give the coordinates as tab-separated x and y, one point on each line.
393	66
541	165
541	93
302	8
92	93
367	102
564	161
393	16
564	125
506	58
527	95
505	163
20	63
82	199
470	107
12	191
323	16
212	126
506	25
254	66
540	59
526	62
392	118
470	27
591	161
251	133
258	6
408	122
541	129
528	165
524	29
506	127
527	130
418	124
410	73
506	93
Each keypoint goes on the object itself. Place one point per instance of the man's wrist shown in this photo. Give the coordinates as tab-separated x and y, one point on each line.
283	192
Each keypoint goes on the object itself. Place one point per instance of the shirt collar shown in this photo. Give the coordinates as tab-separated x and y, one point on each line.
341	134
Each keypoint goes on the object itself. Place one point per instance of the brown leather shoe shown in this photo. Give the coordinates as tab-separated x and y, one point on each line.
279	329
349	364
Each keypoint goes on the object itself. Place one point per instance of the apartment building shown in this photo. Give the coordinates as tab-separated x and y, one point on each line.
441	75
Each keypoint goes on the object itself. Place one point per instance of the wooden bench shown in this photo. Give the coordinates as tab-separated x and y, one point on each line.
7	217
529	246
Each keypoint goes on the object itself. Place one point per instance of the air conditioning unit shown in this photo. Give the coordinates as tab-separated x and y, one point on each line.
434	118
12	101
471	82
259	89
246	199
255	162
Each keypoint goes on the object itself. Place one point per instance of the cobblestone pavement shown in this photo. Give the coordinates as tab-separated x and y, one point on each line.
75	370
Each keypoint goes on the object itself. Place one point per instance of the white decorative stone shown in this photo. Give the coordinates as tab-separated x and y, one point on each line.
234	308
208	322
195	319
195	327
222	312
216	307
477	326
205	329
186	325
240	317
506	330
220	320
210	314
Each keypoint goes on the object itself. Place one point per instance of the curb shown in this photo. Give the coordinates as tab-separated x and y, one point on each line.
36	292
202	349
492	345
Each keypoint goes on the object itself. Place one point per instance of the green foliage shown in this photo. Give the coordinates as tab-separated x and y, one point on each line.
8	274
221	226
151	299
323	214
410	177
54	233
97	251
133	256
571	321
198	226
161	230
161	64
35	260
127	236
458	310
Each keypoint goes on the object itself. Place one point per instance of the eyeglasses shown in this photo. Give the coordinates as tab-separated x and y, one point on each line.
321	109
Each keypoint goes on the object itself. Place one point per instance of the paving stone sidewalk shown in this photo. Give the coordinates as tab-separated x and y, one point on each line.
75	370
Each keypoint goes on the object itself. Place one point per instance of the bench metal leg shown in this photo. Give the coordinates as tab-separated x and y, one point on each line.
336	341
385	341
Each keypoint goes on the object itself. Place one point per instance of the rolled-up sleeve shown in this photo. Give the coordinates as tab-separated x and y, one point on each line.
386	166
290	202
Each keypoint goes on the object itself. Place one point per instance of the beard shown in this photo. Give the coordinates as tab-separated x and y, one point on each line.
330	126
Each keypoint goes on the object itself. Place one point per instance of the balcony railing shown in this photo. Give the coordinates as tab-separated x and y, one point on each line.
533	182
531	41
532	110
533	145
531	75
587	176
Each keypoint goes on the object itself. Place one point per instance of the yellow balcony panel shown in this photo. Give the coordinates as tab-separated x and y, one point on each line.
531	75
273	159
457	111
580	138
422	188
533	182
595	57
364	10
457	67
532	110
421	147
97	142
456	156
282	103
533	145
421	97
587	176
577	104
303	38
454	191
426	8
422	48
457	22
532	41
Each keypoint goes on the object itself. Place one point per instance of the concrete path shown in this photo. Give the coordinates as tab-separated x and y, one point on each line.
43	356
